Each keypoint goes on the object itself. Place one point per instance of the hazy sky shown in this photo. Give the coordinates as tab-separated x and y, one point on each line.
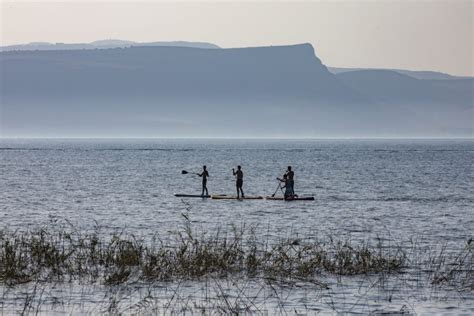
417	35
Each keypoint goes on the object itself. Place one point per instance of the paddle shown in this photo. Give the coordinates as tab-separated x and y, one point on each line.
187	172
278	187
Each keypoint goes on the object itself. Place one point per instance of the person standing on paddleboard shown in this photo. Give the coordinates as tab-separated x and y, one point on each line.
204	174
239	180
288	194
291	182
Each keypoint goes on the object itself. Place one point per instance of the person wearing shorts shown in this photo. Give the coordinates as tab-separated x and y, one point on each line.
291	182
239	181
204	174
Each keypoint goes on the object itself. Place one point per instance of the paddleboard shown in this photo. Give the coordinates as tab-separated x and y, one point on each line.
234	197
281	198
192	195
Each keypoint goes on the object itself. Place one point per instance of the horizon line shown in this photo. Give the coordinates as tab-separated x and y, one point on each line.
240	138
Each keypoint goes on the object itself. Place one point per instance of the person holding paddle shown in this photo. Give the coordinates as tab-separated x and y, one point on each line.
204	174
291	182
239	180
288	194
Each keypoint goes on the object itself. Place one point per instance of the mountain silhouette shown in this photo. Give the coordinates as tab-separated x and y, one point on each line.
278	91
101	44
423	75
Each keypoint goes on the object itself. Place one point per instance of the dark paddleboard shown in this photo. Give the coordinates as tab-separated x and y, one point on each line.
281	198
192	195
234	197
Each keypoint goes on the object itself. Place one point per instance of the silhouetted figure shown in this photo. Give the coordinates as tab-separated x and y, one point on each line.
204	174
288	191
239	180
291	175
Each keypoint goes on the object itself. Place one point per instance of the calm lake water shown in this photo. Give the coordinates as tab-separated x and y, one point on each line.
398	190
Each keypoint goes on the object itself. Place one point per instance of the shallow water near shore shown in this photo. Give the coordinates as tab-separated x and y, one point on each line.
403	192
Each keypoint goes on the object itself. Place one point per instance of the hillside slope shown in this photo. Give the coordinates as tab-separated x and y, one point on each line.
280	91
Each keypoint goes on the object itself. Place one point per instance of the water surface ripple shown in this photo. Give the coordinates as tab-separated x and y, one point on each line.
400	190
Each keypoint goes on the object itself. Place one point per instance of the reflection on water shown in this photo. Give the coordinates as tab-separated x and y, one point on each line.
364	295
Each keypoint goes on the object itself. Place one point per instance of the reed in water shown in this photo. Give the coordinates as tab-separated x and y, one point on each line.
54	256
50	255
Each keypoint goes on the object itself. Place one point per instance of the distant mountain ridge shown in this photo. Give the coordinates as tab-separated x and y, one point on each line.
102	44
423	75
277	91
116	43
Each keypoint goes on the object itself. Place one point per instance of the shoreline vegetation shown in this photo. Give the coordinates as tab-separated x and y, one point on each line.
50	256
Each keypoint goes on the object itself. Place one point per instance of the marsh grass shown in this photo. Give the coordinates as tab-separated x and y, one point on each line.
442	268
237	267
48	255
